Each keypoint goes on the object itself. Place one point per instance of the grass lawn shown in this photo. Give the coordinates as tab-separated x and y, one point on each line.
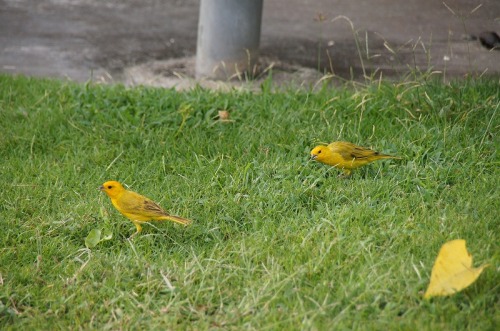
278	242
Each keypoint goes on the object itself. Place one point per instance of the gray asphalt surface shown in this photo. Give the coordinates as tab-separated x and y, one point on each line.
124	40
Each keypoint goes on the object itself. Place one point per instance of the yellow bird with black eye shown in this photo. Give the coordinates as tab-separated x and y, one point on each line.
346	156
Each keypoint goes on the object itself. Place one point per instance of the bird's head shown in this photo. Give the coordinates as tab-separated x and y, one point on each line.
112	188
319	153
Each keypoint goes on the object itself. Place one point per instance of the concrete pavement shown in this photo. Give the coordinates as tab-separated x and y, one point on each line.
154	42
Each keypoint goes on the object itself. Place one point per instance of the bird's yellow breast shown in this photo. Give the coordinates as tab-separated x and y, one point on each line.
336	160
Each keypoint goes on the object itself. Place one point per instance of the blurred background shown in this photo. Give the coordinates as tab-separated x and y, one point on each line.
153	42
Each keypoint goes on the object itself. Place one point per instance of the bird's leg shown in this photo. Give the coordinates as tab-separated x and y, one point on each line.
138	227
346	174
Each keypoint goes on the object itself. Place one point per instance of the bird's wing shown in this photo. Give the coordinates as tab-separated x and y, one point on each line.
136	204
153	209
130	202
351	151
362	153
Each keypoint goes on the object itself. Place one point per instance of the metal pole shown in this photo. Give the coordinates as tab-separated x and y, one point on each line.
228	37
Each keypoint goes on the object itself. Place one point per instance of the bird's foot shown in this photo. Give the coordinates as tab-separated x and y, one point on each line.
133	235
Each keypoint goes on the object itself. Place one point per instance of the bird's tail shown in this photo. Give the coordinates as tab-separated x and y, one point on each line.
385	156
177	219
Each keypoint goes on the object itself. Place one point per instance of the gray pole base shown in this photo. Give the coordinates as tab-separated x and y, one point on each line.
228	38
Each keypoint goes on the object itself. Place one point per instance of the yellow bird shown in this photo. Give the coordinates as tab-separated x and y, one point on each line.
346	156
136	207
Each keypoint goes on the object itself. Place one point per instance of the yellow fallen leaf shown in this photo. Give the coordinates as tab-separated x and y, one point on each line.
452	271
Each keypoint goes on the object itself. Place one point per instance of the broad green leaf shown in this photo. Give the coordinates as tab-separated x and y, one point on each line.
106	235
93	238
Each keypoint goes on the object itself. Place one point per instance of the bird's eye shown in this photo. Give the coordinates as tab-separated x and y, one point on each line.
319	152
110	187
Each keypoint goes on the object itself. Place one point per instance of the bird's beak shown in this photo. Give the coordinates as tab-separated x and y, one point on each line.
313	156
101	188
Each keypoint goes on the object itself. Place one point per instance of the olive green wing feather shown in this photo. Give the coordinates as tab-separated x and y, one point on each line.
350	151
134	203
